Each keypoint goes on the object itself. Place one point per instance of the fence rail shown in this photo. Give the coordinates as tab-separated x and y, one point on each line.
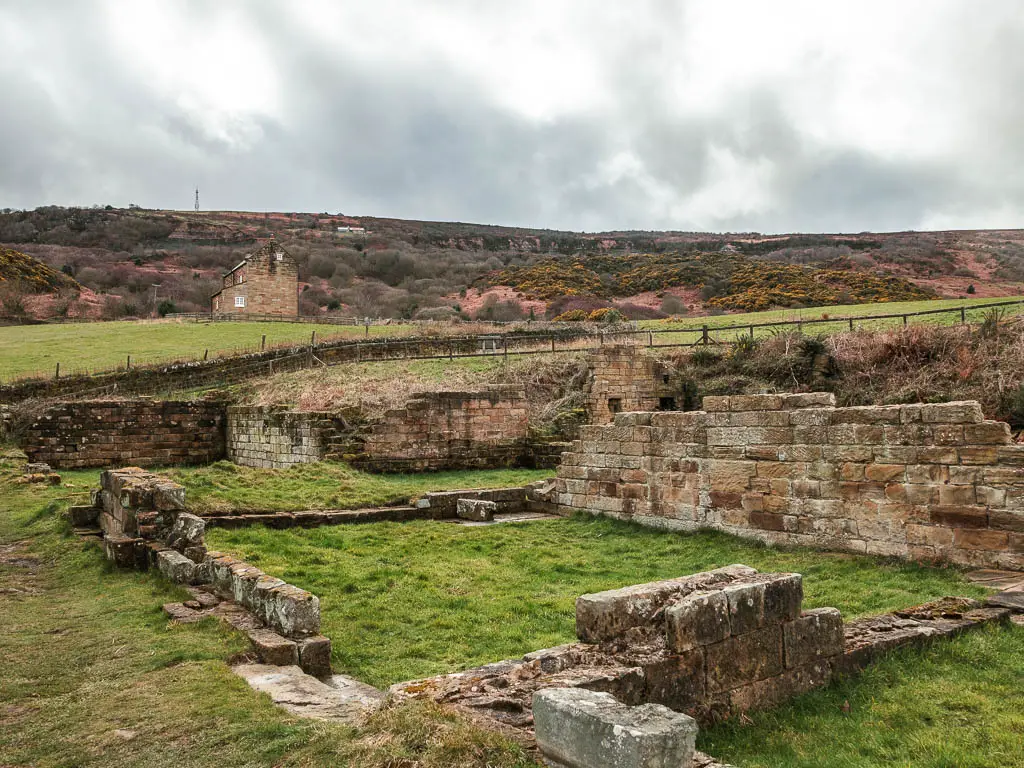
570	338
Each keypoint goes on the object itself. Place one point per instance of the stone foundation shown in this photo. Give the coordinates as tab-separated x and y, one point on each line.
274	437
449	430
145	524
103	433
929	482
713	645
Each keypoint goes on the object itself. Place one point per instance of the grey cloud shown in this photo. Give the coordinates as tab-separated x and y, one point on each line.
431	142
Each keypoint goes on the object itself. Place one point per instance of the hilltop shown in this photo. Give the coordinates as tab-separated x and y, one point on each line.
138	261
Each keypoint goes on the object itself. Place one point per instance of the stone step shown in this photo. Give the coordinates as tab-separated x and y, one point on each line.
342	700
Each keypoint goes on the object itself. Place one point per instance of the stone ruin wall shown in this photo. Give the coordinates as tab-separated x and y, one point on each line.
621	381
274	437
449	430
103	433
930	482
712	645
145	524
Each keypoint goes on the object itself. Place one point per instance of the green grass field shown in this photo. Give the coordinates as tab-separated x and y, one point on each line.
91	347
396	610
95	675
326	485
865	311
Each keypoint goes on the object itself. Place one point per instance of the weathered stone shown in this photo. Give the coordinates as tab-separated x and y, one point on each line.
187	531
746	607
476	509
816	635
699	619
84	516
583	729
341	700
743	659
272	648
175	566
607	615
315	655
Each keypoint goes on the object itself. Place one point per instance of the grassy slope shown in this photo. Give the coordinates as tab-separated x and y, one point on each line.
814	313
86	651
327	485
429	614
27	349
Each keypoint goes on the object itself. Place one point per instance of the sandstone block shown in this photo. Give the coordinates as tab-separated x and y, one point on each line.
699	619
175	566
315	655
744	659
608	615
83	516
783	597
272	648
764	694
959	517
755	402
988	433
746	607
476	509
815	636
187	531
577	728
676	681
966	538
809	400
960	412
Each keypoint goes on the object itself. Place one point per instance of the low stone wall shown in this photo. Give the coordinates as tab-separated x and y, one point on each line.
275	437
929	482
712	645
449	430
145	524
104	433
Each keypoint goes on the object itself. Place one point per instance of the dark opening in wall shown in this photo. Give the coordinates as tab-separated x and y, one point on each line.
614	404
664	378
667	404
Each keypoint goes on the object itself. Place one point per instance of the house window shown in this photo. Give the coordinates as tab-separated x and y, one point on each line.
239	301
614	404
280	257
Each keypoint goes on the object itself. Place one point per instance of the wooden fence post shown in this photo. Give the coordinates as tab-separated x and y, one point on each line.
963	315
206	353
904	321
128	365
704	339
851	323
57	374
650	338
263	342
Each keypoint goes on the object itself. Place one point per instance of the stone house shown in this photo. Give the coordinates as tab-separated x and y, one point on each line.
266	282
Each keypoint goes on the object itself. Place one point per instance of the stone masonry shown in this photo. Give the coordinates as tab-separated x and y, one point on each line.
450	430
145	524
274	437
712	645
266	282
928	482
104	433
621	381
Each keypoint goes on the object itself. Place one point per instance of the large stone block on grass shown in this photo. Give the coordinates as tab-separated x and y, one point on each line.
609	615
477	510
577	728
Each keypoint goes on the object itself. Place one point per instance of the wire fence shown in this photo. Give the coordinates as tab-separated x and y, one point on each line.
225	371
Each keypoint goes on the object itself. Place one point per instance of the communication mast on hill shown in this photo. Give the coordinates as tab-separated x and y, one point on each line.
197	199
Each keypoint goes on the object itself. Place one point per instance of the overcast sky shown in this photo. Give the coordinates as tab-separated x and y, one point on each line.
705	114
